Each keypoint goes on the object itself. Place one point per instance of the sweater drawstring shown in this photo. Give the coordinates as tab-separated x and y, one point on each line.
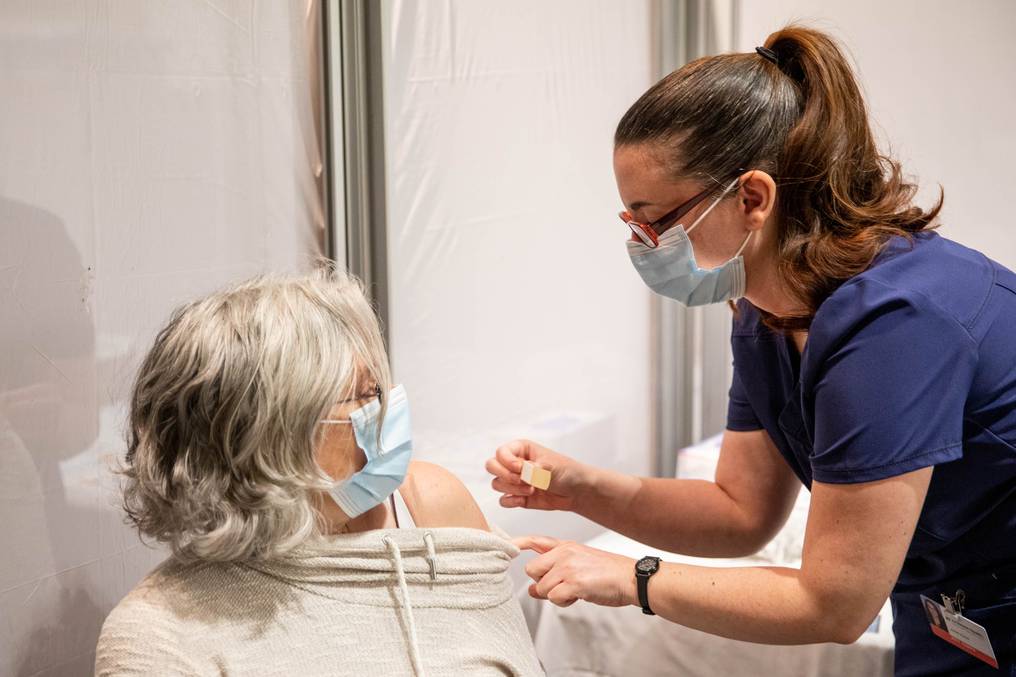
431	557
400	572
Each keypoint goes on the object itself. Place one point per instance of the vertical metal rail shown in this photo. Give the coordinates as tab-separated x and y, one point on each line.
356	143
691	352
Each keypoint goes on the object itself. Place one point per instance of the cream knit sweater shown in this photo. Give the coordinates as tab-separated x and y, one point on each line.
386	602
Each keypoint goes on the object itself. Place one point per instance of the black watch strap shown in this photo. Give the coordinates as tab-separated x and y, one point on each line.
643	585
644	570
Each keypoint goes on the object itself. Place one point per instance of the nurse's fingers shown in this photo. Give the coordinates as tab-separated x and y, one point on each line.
563	594
512	488
512	454
497	469
542	565
548	582
507	501
538	544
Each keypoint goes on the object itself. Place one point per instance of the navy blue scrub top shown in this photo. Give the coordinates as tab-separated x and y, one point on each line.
909	364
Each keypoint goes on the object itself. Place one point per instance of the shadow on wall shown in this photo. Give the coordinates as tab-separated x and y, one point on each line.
48	422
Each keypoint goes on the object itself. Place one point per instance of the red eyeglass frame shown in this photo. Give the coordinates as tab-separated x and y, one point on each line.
650	233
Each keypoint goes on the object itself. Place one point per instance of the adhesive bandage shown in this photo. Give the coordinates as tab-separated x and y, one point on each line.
535	475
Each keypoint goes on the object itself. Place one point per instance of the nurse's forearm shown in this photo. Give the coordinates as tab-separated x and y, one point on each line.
857	538
767	605
690	517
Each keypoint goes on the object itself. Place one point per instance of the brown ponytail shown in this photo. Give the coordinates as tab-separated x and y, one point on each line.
802	120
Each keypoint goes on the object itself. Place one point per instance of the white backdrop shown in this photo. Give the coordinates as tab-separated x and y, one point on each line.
152	151
148	153
940	78
514	308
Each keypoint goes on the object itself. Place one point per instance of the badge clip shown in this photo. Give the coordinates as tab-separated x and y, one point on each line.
948	623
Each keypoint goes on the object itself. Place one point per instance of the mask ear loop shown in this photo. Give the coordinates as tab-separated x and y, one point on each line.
735	182
743	244
717	201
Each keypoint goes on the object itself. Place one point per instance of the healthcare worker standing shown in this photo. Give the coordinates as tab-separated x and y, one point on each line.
874	362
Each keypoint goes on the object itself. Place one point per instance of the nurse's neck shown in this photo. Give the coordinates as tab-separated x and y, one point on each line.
767	291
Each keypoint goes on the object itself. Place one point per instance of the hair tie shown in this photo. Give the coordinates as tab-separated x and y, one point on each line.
768	55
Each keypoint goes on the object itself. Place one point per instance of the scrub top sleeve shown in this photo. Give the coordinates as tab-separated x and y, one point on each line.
740	414
889	397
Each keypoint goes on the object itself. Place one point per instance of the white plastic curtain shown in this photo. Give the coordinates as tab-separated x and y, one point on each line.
940	83
149	152
514	308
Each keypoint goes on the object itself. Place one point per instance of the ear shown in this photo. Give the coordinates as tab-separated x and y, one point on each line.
756	198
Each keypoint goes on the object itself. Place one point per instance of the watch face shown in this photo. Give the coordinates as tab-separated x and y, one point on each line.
648	564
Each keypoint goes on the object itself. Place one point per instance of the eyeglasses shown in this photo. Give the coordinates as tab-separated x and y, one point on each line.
376	393
649	233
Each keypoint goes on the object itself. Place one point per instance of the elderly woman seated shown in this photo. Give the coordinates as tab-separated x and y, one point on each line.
269	451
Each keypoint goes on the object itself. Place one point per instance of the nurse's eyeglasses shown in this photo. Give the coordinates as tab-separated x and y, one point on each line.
650	233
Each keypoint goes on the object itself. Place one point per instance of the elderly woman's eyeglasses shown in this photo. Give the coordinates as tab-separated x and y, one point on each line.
650	233
375	393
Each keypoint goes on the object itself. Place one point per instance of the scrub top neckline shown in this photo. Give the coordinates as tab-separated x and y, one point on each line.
793	357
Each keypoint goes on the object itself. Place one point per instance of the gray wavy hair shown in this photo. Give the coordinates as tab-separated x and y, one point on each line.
224	415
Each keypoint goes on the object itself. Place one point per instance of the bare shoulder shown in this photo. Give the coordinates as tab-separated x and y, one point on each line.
437	498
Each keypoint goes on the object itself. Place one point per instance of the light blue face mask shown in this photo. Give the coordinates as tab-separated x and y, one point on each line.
669	269
386	465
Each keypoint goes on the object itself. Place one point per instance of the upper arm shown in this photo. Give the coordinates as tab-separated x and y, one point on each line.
757	478
889	374
856	539
437	498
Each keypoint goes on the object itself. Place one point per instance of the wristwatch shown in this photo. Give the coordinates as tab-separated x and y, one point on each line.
644	569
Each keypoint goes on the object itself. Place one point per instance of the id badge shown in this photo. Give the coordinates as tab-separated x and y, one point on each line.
948	623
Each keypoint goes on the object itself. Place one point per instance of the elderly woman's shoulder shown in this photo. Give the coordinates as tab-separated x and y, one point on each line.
437	498
143	633
164	625
160	594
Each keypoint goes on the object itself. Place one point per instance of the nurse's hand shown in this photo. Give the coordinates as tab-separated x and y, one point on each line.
568	478
566	572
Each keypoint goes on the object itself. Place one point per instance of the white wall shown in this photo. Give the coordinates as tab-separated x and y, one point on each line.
148	153
940	78
514	308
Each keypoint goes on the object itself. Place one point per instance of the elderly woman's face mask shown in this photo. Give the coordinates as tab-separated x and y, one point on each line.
388	453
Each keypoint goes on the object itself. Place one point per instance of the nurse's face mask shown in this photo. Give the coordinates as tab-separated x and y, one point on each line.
665	259
388	453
